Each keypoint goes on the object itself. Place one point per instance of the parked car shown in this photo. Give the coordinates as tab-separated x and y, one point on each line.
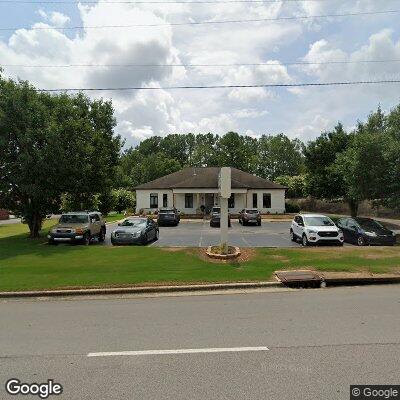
135	230
250	216
315	229
215	220
78	227
168	216
366	231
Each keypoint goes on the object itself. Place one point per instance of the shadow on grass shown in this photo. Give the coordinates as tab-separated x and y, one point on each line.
21	245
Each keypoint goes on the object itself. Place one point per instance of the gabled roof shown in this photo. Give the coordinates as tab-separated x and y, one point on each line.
207	178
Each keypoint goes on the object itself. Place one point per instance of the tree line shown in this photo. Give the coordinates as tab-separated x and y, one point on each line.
60	152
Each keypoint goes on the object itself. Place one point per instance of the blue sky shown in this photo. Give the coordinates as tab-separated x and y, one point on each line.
301	113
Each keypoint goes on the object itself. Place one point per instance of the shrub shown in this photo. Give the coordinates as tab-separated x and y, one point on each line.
291	208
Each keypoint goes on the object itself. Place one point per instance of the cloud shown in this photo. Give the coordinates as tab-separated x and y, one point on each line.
300	112
55	18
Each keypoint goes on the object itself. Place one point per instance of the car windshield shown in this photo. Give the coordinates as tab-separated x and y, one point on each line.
251	211
167	212
134	222
318	221
369	224
74	219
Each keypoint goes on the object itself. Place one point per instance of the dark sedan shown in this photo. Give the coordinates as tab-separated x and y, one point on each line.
365	231
215	220
168	216
250	216
135	231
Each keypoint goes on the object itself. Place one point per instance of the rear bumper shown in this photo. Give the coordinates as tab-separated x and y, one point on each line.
167	222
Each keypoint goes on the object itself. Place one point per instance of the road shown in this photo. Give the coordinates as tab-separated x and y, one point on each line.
320	341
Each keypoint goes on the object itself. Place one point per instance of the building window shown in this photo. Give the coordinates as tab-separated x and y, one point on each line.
153	200
165	200
254	200
266	200
188	200
231	201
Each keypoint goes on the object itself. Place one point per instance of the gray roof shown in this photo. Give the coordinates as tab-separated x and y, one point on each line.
206	178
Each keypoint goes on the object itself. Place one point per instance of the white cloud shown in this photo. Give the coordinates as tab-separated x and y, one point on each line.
55	18
302	112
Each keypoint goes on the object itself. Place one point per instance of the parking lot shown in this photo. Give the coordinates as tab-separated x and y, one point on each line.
199	234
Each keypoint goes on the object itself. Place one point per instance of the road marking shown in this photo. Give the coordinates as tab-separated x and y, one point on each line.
178	351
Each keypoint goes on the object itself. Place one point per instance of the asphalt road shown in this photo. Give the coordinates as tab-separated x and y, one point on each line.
200	234
319	341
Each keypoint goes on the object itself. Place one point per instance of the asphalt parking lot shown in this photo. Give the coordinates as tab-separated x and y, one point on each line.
199	234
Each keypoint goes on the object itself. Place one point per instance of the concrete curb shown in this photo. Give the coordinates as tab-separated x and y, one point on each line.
193	288
142	289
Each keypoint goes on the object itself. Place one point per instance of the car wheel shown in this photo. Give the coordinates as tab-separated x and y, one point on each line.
293	237
304	241
52	242
102	236
360	241
157	235
144	239
86	239
259	223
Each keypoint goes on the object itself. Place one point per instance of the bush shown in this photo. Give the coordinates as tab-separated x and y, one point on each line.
292	208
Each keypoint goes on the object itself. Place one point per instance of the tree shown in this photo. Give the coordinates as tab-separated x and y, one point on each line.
279	155
50	145
124	199
234	150
324	179
297	185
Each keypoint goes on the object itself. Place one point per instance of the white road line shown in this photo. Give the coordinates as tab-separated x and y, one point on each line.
178	351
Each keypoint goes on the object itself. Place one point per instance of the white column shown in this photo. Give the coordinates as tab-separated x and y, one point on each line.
224	224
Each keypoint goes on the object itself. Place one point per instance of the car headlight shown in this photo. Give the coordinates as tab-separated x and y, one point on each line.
370	233
136	234
54	230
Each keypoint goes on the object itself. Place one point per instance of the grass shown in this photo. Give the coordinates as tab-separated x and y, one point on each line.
114	217
27	264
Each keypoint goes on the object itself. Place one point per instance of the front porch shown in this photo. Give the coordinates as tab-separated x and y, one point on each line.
201	202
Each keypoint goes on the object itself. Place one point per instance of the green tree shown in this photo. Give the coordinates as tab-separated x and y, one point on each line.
124	199
50	145
324	179
297	185
234	150
278	155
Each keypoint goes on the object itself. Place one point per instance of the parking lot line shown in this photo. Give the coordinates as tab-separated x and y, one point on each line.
178	351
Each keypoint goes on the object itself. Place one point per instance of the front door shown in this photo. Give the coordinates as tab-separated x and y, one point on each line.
209	201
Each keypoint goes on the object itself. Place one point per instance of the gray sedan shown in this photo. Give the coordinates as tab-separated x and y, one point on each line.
135	231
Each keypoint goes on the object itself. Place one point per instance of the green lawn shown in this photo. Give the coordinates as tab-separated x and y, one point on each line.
114	217
27	264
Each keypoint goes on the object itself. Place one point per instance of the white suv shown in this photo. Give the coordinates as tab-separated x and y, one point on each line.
315	229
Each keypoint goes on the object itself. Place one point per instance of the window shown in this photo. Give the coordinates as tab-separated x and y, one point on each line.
254	200
231	201
153	200
188	200
165	200
266	200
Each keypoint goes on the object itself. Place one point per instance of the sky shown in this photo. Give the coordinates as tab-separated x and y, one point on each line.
298	112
